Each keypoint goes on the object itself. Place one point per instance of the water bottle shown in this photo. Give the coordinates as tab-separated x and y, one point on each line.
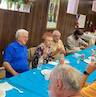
92	58
40	62
78	60
61	59
92	51
93	55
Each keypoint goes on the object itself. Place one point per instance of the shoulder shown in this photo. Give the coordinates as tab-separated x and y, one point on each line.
40	46
70	37
60	41
11	45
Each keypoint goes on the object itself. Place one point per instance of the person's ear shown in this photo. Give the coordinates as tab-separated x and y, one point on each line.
59	84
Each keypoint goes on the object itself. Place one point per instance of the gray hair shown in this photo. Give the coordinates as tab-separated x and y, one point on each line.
70	77
56	32
20	32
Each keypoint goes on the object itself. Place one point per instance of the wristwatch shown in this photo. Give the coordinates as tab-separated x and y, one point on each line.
86	73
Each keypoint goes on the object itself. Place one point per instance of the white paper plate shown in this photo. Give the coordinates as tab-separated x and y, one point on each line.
53	63
57	61
46	73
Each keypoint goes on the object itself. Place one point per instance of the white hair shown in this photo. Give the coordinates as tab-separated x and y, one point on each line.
56	32
71	77
20	32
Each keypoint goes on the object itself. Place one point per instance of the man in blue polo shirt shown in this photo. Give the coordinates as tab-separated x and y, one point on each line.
16	55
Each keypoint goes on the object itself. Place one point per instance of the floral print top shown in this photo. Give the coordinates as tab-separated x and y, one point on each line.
38	56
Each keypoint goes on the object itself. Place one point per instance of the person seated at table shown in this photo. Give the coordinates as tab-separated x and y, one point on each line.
75	43
57	46
16	54
64	82
89	37
43	53
90	90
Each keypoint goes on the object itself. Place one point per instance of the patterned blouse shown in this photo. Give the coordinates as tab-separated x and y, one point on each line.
37	57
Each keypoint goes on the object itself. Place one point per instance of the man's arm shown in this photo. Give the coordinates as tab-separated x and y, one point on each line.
63	48
9	68
89	70
82	42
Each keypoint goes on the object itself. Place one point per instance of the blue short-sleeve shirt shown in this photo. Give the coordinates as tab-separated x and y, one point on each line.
17	56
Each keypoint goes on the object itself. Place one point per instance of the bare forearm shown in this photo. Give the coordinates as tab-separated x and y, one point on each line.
89	70
9	68
84	78
64	52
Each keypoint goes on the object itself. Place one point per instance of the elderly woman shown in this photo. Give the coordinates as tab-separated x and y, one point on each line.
43	53
75	43
16	55
64	82
57	46
90	90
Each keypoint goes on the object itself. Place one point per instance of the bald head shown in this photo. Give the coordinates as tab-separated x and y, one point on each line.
56	35
56	32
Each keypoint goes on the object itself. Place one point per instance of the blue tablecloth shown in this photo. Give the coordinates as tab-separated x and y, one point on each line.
82	65
34	84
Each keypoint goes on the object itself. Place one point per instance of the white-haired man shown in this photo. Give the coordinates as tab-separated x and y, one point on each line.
57	45
64	82
16	55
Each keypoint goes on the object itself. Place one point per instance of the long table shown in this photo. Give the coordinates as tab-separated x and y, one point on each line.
34	84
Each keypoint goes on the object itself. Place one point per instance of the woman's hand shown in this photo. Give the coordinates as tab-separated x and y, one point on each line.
45	52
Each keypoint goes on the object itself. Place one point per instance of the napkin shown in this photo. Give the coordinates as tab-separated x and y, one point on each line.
88	61
5	86
66	61
2	93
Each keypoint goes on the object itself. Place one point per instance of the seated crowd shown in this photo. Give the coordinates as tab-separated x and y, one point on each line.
64	78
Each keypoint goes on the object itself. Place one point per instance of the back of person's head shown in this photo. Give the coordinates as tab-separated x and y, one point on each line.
77	32
64	81
70	76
